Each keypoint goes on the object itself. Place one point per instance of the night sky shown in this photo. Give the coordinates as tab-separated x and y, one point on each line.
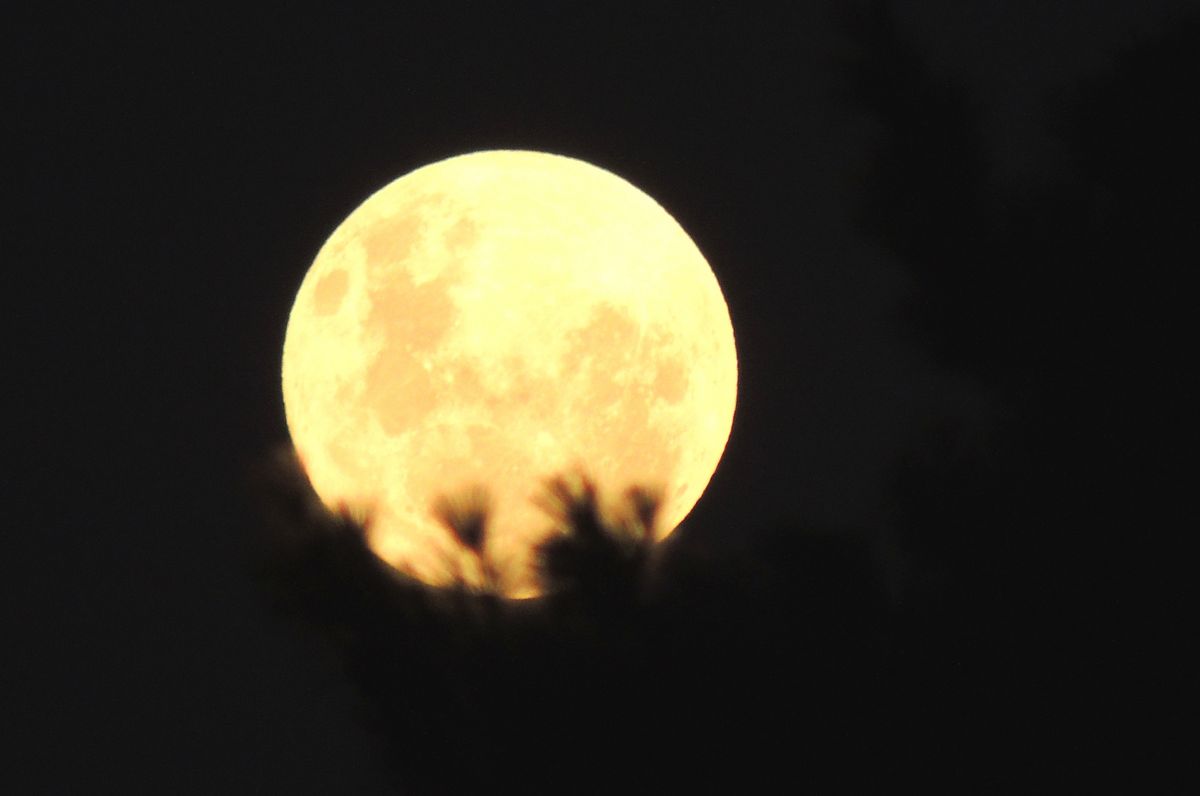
921	215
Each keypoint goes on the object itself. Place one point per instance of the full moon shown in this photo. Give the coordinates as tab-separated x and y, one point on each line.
494	320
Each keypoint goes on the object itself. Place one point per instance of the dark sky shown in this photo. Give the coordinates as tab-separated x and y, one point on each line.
173	174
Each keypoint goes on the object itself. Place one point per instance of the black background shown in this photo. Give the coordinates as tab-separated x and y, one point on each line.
930	221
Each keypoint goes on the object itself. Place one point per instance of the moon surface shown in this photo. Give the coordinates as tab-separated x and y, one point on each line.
496	319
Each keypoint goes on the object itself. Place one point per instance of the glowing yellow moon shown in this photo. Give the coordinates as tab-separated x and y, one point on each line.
496	319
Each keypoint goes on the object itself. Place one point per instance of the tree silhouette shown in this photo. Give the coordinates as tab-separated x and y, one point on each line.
974	664
632	668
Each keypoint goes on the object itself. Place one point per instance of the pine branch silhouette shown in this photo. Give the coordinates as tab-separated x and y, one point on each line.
589	556
570	691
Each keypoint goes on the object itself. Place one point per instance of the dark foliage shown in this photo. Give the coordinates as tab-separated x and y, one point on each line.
590	557
1034	538
634	668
